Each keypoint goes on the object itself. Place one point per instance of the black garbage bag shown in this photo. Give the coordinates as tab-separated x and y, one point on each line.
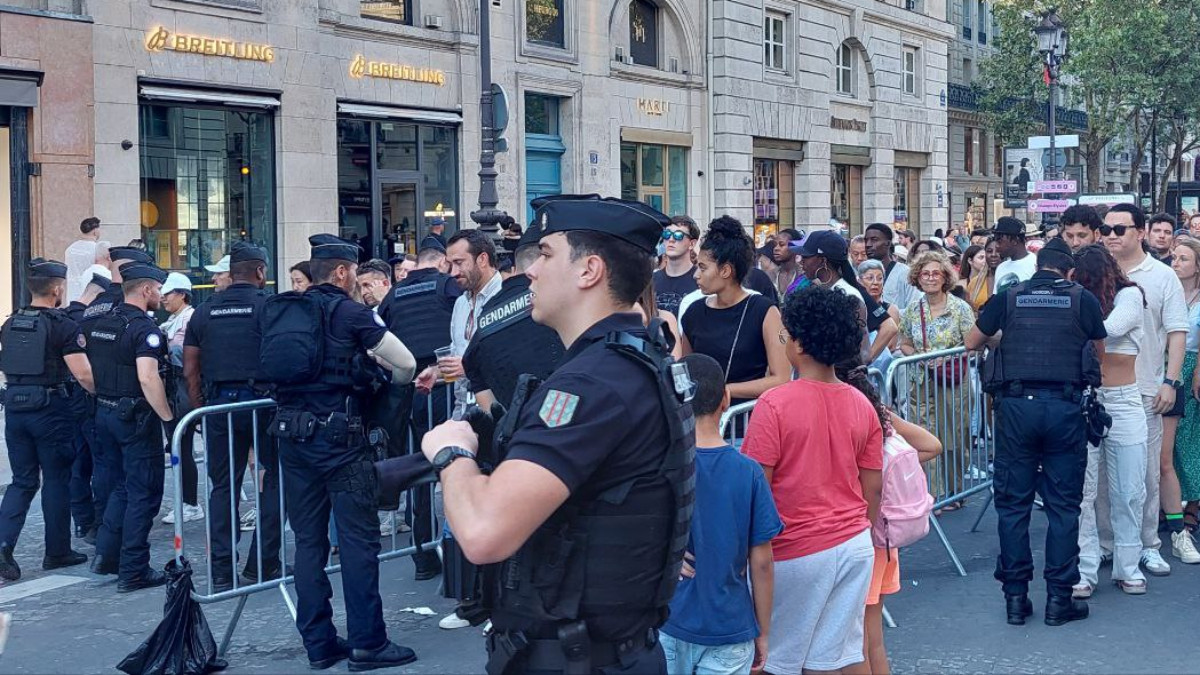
182	644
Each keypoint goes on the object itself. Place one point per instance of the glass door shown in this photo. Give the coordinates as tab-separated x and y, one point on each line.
398	227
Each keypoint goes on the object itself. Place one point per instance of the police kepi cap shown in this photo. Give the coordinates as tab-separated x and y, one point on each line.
531	236
1056	254
100	280
825	243
242	251
1010	226
330	247
432	242
40	268
138	271
629	221
130	253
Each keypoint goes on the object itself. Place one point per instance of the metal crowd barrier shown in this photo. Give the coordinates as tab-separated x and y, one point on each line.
205	592
941	392
735	421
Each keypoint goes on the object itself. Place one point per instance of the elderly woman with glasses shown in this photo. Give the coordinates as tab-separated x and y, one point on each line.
940	394
871	276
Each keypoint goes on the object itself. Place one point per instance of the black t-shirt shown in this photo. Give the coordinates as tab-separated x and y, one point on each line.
669	291
994	314
712	331
758	280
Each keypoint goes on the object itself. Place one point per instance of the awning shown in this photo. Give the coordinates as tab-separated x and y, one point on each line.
182	95
19	88
389	112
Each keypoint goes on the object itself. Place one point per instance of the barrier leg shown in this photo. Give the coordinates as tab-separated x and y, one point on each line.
287	600
982	512
937	527
233	622
887	618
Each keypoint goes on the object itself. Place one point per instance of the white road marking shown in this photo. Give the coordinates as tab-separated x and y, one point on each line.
28	588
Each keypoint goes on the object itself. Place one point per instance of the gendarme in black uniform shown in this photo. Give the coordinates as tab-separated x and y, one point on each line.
113	297
223	335
39	423
86	509
587	591
1039	374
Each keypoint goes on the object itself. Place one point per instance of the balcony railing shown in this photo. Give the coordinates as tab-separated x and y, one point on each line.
962	97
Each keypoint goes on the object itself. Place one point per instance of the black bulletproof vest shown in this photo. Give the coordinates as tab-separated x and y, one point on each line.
343	364
421	318
620	553
510	343
26	355
1043	339
230	343
103	304
114	366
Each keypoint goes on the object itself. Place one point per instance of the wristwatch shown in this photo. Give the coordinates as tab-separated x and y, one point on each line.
447	455
1174	383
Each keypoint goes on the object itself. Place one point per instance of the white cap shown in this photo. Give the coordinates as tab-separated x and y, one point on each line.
901	252
221	266
97	269
176	282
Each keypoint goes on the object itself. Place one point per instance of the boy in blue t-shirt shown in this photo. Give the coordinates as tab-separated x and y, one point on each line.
716	624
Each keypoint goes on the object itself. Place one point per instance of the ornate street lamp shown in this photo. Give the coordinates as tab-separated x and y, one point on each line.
1052	40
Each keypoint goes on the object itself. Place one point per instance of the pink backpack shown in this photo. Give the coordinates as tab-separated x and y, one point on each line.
905	502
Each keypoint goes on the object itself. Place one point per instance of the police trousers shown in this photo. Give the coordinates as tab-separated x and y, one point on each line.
133	461
228	441
1039	429
86	510
312	491
40	442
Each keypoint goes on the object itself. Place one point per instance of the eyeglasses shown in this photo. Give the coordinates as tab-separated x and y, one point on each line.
934	274
677	235
1118	230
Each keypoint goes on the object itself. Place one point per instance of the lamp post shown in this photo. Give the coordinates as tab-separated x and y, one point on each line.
488	216
1052	45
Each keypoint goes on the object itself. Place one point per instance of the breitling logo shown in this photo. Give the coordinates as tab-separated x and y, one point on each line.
360	67
161	39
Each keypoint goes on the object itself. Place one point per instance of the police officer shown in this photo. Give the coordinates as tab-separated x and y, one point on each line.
86	510
128	353
106	301
220	357
588	511
1051	330
508	342
323	453
418	311
41	349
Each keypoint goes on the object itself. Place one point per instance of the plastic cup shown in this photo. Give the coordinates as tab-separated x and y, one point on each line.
443	353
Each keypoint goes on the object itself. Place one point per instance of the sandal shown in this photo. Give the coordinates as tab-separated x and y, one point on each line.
953	506
1131	587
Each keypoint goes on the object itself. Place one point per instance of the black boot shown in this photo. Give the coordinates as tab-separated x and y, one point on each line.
102	564
9	569
1019	608
1062	609
270	572
150	579
341	652
69	559
90	536
428	565
389	655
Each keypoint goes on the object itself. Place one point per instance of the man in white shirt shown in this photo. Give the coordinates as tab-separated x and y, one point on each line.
1164	332
1018	264
472	258
896	289
83	254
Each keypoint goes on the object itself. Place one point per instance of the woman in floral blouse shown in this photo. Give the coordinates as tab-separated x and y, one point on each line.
940	392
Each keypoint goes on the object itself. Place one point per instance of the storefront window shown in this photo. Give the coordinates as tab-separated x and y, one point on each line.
207	180
399	11
656	175
774	196
396	146
907	213
845	193
544	22
643	33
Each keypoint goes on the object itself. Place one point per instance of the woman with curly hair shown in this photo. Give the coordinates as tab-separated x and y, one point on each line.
1122	454
820	443
940	392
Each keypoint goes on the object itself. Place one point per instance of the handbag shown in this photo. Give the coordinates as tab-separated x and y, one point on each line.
949	373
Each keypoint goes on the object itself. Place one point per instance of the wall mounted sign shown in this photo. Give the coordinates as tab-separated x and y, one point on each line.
847	124
653	106
161	39
360	67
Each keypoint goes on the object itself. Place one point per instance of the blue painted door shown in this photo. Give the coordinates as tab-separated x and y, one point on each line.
543	167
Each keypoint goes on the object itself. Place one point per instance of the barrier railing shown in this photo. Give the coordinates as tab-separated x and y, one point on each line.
941	392
735	421
249	419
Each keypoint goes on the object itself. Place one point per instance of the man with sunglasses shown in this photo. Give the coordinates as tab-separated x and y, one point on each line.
677	279
1164	333
1018	263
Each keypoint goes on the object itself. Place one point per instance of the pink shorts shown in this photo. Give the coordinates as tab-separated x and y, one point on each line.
885	575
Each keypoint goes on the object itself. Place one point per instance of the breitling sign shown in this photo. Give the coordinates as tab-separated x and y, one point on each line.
360	67
161	39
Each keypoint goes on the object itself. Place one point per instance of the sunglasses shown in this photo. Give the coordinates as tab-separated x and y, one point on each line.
677	235
1118	230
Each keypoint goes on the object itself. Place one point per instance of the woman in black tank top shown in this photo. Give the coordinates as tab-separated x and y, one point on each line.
739	329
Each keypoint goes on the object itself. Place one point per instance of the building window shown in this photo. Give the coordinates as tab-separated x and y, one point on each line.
643	33
907	213
966	18
207	180
774	195
399	11
910	71
775	41
541	114
846	195
544	22
982	145
845	69
656	175
968	71
982	16
969	150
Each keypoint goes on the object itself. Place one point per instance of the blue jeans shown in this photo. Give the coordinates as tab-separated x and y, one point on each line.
685	658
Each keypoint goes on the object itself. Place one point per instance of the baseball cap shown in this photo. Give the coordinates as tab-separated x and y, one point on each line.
222	265
827	243
177	282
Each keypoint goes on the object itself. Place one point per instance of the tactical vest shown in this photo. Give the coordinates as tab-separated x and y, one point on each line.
620	553
423	325
102	305
113	367
343	364
26	356
510	343
231	339
1043	340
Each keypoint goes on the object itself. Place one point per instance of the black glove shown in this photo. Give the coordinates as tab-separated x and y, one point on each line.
484	426
169	430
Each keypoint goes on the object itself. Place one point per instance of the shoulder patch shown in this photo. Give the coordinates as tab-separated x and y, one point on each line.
81	341
153	340
559	408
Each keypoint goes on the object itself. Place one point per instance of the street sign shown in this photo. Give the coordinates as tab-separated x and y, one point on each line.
1108	200
1050	205
1043	142
1054	186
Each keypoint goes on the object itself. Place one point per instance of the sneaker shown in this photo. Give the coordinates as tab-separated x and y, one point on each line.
191	513
452	621
249	520
1184	548
1153	561
169	519
1131	587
